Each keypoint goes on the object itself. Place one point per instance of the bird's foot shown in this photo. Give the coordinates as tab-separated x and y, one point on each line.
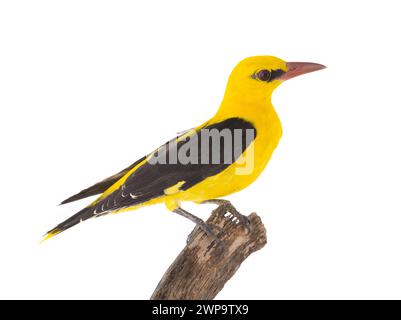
231	212
208	229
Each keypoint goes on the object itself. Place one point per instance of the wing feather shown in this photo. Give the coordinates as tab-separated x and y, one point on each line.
101	186
151	180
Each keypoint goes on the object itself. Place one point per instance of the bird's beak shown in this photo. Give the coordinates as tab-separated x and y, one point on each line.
295	69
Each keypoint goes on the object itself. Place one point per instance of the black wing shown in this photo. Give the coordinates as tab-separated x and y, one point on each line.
150	180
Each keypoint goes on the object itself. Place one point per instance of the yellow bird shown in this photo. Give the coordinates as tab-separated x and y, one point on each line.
221	156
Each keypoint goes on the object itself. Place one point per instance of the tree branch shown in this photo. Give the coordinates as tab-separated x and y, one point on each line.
200	271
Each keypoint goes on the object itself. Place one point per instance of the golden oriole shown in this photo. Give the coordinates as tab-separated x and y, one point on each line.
223	155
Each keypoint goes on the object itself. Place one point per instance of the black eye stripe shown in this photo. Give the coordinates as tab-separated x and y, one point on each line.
266	75
276	74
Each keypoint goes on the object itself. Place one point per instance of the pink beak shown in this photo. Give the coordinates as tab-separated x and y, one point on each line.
295	69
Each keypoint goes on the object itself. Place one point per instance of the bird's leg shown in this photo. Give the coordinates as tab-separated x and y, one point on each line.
207	228
228	207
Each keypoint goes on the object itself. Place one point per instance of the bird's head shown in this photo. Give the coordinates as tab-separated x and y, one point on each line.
262	74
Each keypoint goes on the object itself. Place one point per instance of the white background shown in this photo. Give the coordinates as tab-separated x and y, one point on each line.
87	87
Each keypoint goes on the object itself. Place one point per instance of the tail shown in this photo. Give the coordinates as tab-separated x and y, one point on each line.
103	185
91	191
81	216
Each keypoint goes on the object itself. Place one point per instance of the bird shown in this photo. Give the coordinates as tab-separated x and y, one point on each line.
241	138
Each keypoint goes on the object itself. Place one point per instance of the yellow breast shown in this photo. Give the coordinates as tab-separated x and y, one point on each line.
250	165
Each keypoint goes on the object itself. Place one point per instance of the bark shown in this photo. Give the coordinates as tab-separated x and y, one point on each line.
202	268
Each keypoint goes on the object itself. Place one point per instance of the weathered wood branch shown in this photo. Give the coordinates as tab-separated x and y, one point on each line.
200	271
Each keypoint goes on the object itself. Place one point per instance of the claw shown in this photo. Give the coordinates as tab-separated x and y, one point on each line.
232	213
219	244
191	235
244	220
207	228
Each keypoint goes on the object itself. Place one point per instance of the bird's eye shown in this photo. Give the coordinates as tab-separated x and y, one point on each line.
263	75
